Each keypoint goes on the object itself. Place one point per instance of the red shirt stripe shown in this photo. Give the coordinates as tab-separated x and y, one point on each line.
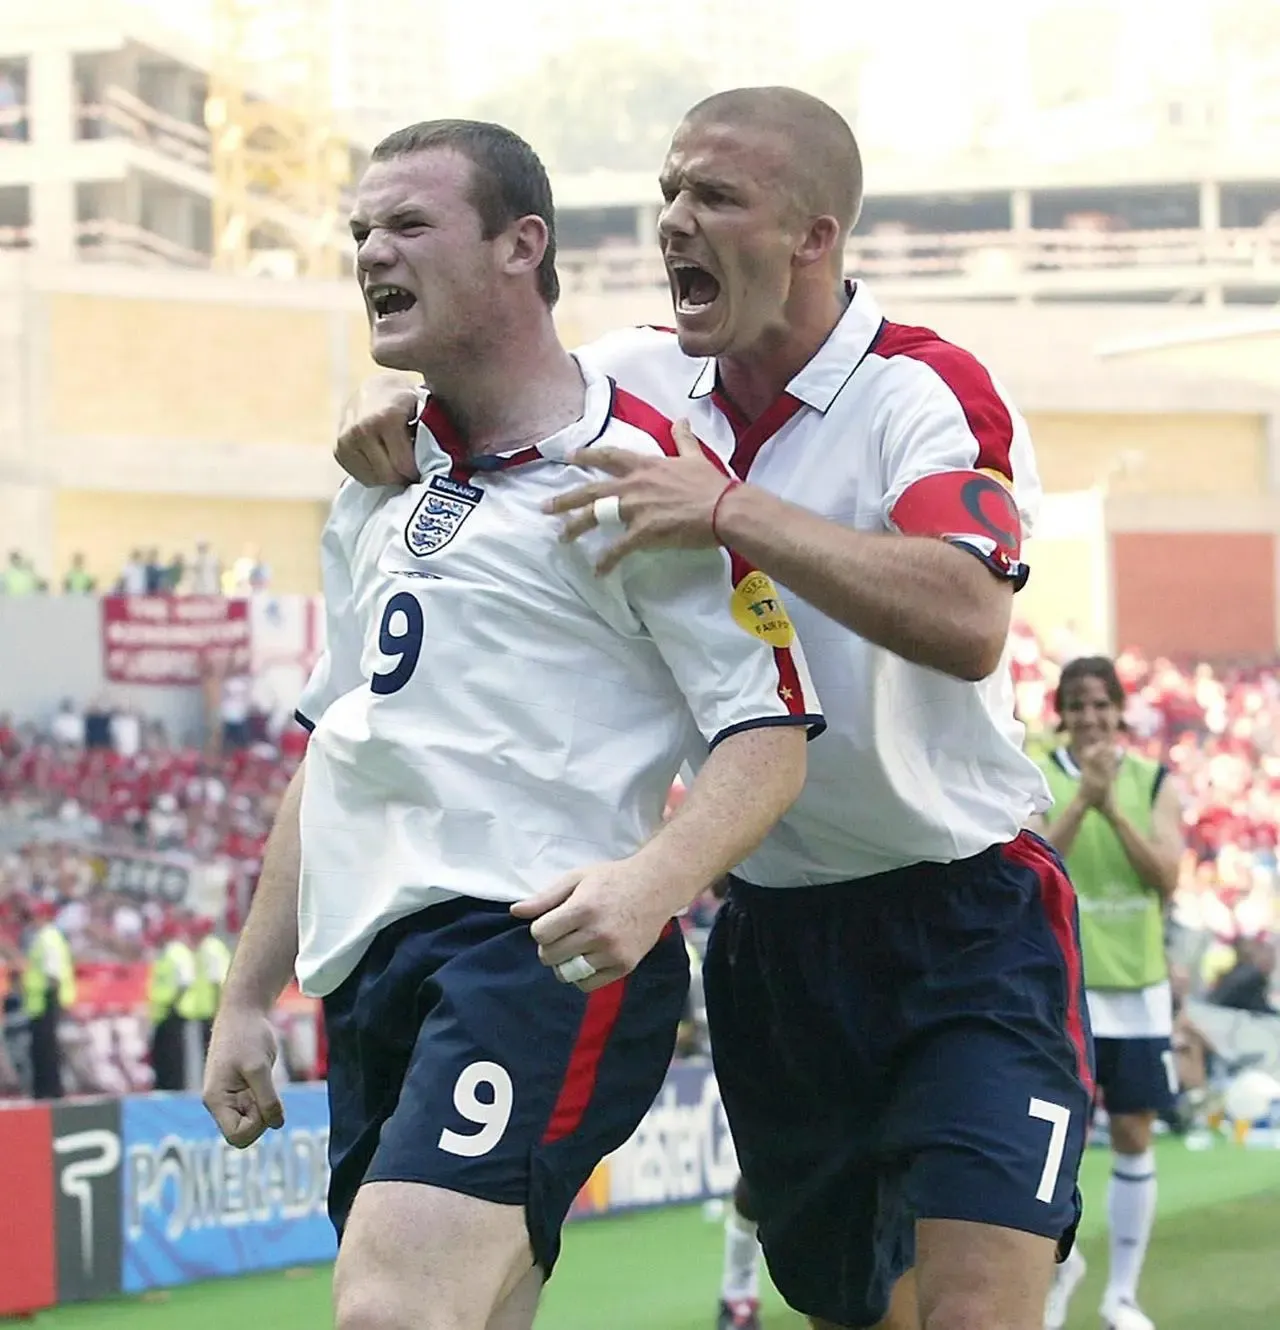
634	411
752	435
437	420
984	410
790	689
638	413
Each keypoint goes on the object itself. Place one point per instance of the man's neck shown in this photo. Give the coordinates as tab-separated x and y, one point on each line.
519	395
756	378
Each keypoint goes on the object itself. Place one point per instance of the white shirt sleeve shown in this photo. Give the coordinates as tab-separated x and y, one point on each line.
725	635
957	460
338	670
955	417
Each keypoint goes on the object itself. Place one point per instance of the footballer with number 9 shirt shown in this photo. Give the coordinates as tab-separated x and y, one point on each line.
491	719
894	983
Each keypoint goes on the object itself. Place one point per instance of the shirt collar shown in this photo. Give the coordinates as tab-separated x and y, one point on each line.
820	381
435	427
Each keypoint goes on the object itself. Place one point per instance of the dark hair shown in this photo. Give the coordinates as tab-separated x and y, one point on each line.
1101	668
508	180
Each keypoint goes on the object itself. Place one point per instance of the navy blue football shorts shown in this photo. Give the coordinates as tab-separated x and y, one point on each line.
1136	1075
909	1046
457	1059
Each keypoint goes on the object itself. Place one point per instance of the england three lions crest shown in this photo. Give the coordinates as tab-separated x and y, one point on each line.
440	514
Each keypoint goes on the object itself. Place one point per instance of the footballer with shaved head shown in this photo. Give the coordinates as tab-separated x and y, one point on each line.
894	983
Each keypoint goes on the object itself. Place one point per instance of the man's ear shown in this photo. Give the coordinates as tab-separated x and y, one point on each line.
526	241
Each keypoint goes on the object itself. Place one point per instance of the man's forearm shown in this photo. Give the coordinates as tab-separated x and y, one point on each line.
922	599
747	784
268	948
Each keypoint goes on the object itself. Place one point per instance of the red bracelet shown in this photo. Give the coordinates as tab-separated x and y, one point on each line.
733	484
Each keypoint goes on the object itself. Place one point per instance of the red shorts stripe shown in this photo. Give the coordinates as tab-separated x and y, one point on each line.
601	1015
1058	897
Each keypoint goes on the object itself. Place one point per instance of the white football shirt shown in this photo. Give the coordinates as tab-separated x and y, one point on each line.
914	765
489	713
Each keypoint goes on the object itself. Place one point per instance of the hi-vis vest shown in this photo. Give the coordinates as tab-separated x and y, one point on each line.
48	962
172	987
213	957
1121	919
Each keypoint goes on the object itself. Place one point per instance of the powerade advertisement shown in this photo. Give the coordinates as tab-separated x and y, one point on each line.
195	1208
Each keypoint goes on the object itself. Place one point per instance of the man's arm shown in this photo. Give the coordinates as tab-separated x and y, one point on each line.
268	947
747	784
612	913
918	588
922	599
747	688
238	1088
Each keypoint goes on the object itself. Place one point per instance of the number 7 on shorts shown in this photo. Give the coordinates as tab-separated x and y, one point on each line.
1059	1119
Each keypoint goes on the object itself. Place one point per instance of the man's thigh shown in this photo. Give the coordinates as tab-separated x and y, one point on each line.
477	1257
970	1275
502	1083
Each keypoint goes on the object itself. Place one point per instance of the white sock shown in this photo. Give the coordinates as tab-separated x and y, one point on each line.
741	1281
1131	1213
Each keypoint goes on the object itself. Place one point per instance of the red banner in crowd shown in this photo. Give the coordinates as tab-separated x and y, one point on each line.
174	639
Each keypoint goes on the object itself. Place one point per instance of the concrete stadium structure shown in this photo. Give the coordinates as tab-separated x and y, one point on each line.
1127	302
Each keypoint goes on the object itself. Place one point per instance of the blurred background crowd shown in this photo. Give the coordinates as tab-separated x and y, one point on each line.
145	573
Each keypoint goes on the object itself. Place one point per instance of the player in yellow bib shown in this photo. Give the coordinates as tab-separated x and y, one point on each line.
1116	821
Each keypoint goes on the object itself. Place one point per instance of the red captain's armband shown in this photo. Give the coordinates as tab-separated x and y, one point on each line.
972	509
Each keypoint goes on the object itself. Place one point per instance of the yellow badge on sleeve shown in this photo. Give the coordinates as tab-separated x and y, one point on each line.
759	610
